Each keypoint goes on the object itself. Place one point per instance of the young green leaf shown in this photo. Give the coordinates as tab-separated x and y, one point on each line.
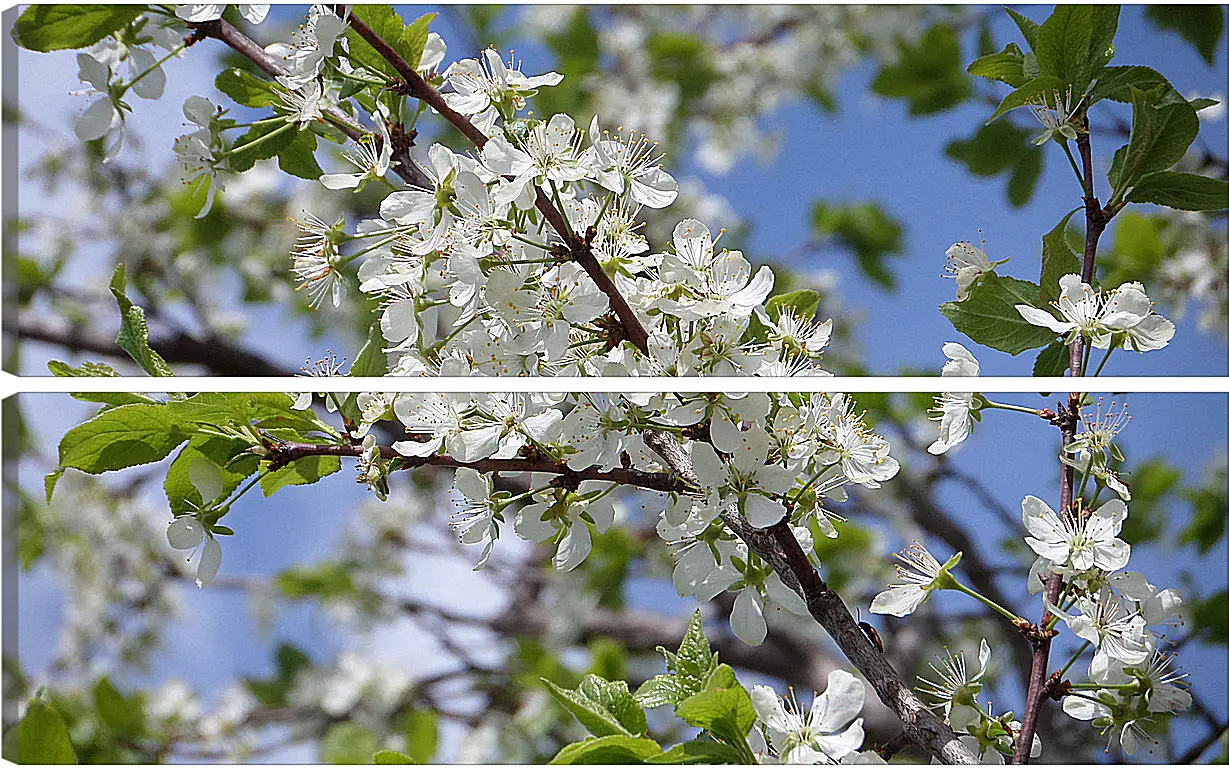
133	335
603	707
608	750
989	316
391	757
298	158
1027	26
1114	83
59	27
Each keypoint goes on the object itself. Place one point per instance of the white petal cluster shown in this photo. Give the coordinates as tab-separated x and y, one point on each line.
829	731
1123	318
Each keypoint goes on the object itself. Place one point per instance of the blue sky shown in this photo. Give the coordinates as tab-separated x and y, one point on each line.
869	151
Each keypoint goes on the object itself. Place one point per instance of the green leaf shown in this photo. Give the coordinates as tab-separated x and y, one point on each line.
1199	25
347	744
683	59
305	471
1114	83
1023	181
414	38
608	750
690	669
1159	138
41	737
245	88
330	580
422	734
804	302
989	316
133	335
50	480
298	158
60	369
391	757
124	715
1054	360
272	147
1211	618
865	229
604	707
700	752
726	712
1063	44
1027	26
57	27
1039	87
121	437
1002	147
1006	66
1183	191
927	74
230	455
407	41
1057	259
1101	44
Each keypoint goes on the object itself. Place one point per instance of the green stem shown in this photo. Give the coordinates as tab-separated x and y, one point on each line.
1074	166
174	52
1008	406
266	121
1104	360
261	140
987	601
534	243
602	212
567	225
1079	652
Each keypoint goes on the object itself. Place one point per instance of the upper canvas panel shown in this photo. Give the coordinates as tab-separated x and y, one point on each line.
692	191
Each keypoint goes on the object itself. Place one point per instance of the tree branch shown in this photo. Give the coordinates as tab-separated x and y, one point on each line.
1095	220
414	85
284	452
222	30
778	547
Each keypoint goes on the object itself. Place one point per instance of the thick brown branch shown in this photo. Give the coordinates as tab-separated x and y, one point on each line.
778	547
1095	221
215	354
286	452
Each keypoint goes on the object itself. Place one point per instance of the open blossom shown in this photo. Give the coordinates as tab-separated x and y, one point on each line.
954	410
632	167
1077	540
371	155
747	479
488	89
1059	119
1125	318
967	263
475	518
570	512
1118	632
828	732
921	574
